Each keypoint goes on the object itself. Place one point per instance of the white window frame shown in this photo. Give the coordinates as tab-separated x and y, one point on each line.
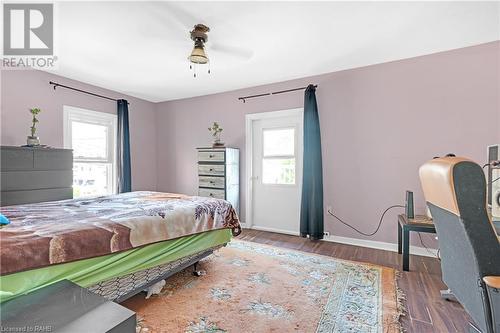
70	114
280	157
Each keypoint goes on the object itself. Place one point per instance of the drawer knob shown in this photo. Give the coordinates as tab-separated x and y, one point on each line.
211	169
211	156
212	182
211	194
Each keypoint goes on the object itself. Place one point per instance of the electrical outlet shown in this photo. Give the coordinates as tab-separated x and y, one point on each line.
326	234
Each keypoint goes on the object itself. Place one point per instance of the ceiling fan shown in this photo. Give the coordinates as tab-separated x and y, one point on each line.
182	16
198	55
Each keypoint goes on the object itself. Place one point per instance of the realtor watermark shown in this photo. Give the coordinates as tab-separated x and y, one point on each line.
27	328
28	36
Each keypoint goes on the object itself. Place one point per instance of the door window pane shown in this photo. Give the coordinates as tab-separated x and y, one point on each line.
89	140
279	142
278	171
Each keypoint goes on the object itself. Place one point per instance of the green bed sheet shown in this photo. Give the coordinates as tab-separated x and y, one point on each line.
90	271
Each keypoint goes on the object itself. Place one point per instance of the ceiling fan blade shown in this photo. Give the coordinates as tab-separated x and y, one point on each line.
168	12
171	23
232	50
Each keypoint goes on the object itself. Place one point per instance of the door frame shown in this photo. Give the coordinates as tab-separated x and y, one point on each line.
250	118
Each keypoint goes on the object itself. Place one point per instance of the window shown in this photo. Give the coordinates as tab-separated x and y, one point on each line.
92	136
278	162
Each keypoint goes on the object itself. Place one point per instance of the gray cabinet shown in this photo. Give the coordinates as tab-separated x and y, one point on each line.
219	174
31	175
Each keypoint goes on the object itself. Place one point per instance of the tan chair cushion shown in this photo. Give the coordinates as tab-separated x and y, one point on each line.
492	281
436	177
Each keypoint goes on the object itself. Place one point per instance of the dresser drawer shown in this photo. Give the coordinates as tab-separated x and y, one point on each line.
213	182
210	156
31	196
53	159
17	159
204	192
35	180
211	169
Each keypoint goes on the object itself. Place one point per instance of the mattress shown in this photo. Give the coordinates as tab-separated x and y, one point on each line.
89	272
53	233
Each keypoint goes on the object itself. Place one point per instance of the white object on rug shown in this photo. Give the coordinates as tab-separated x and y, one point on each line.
155	289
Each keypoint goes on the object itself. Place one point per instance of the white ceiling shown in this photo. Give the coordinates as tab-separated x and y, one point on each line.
141	48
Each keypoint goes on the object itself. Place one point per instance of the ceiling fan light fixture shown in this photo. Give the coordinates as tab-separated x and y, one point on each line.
198	55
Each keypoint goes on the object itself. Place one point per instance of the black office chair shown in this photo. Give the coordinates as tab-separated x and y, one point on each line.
455	191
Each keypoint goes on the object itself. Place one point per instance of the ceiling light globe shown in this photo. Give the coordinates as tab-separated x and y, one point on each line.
198	56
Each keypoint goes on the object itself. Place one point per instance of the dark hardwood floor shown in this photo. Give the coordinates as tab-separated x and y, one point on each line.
426	311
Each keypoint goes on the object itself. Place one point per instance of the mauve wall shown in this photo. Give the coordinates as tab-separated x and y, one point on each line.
24	89
378	125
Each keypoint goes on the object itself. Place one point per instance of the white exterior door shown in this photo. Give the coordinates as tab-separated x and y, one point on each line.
277	171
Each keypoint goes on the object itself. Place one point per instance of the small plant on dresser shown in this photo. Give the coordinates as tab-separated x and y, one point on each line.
32	139
216	131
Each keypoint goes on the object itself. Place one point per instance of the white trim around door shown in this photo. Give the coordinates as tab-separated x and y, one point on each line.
249	120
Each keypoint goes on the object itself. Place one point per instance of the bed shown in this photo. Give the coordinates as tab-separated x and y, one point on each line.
114	245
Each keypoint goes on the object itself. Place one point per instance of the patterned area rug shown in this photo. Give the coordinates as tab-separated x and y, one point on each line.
257	288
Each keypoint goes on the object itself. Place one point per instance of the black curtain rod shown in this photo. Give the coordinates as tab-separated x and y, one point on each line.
244	98
55	84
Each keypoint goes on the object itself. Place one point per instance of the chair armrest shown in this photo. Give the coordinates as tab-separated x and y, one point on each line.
492	281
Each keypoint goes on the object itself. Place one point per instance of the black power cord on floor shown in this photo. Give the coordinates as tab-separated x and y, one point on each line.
363	233
426	247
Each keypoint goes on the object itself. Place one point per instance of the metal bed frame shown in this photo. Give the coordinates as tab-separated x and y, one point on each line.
123	287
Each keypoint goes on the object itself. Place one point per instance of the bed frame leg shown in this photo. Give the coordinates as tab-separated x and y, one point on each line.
448	295
197	272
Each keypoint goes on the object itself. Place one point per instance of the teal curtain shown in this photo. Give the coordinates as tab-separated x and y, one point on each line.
311	209
123	149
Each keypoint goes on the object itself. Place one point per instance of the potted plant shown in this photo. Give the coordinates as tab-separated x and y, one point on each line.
33	140
216	130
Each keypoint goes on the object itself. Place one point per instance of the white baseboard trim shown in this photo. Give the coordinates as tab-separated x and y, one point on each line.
286	232
416	250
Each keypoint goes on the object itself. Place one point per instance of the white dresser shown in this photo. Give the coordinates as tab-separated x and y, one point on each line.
219	174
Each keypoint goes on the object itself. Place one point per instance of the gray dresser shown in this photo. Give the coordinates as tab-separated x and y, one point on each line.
31	175
219	174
